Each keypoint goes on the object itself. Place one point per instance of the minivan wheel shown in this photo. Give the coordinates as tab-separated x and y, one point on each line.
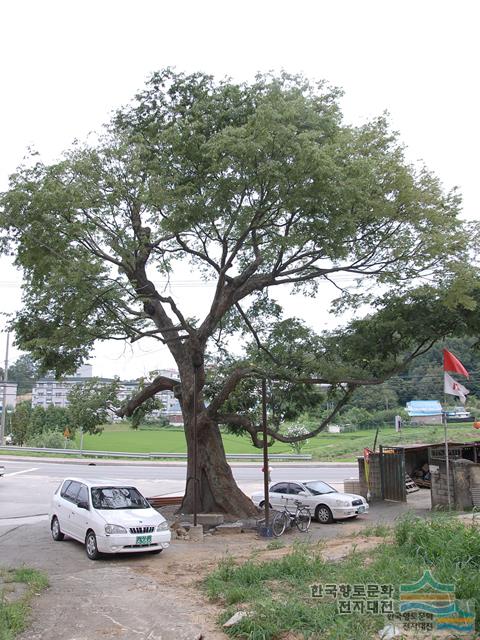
57	534
91	546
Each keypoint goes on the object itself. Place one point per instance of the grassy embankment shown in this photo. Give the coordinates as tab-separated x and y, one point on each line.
276	593
324	447
14	611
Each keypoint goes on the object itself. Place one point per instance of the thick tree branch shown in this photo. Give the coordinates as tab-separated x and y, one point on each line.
244	422
228	387
160	383
341	403
255	431
255	335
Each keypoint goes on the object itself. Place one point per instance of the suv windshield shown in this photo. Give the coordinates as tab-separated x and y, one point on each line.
319	487
118	498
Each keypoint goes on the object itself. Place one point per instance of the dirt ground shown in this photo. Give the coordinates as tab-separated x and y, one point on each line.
138	596
153	597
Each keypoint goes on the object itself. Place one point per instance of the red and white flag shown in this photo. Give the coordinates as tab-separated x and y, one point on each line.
454	388
452	363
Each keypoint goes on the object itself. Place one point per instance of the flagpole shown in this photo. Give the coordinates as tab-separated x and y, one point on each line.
451	363
444	417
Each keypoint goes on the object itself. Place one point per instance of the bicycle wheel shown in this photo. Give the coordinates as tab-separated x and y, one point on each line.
303	519
278	524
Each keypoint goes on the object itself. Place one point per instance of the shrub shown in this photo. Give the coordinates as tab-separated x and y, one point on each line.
355	416
296	430
49	440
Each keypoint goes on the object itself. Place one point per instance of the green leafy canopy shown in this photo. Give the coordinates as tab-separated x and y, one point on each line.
257	185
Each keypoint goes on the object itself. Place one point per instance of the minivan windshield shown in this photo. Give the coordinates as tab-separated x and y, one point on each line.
318	487
118	498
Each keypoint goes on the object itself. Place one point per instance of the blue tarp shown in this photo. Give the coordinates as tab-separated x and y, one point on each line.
424	408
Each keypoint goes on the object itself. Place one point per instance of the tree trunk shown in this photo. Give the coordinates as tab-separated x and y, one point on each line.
217	489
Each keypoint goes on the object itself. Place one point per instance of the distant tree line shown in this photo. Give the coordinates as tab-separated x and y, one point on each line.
91	404
377	405
369	406
423	380
24	372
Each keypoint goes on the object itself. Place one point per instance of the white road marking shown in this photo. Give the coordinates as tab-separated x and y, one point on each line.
16	473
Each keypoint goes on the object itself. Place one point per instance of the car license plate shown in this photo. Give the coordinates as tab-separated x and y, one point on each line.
144	540
360	509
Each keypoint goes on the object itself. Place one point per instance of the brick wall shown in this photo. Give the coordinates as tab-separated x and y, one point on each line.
375	480
439	485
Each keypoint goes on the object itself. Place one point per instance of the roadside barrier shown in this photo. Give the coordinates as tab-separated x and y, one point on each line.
150	456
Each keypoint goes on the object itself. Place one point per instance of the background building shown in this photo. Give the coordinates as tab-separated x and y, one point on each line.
425	411
48	391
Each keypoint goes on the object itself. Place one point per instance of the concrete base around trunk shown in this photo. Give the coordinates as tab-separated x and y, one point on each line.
210	519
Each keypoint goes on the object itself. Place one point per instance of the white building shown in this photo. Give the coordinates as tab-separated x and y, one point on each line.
48	391
170	405
11	397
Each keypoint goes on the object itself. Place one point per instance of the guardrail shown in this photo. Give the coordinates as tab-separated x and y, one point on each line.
152	456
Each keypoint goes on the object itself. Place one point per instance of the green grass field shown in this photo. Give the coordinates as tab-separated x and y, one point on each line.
120	437
277	594
326	446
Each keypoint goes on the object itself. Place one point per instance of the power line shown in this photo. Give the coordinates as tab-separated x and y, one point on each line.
177	283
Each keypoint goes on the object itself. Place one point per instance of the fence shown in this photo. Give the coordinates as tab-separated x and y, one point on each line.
150	456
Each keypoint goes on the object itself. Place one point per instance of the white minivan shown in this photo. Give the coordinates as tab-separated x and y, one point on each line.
107	518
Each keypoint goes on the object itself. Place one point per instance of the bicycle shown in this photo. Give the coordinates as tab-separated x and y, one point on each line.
282	520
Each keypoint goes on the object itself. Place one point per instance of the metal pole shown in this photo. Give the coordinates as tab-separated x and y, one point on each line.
4	402
382	470
195	448
265	454
447	463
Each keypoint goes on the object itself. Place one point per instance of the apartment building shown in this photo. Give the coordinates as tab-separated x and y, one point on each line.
48	391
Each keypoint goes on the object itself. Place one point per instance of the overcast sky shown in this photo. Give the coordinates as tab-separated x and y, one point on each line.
65	65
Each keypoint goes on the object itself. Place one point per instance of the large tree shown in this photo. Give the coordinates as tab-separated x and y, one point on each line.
24	372
256	186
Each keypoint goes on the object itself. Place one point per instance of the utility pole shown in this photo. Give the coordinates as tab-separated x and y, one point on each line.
197	364
195	448
4	402
266	470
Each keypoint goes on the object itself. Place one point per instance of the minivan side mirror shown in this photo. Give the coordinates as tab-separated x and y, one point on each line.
83	505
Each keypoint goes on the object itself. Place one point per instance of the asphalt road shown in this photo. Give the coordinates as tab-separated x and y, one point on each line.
27	486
